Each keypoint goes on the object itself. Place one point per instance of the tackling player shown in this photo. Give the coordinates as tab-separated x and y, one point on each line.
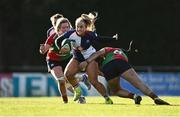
115	64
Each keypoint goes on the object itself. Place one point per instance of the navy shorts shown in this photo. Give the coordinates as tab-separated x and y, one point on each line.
115	68
51	64
78	56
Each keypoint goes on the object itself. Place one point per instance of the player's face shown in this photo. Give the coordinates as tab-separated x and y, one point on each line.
80	28
64	28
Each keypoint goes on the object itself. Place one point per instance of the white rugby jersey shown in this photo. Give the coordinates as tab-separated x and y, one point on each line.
82	44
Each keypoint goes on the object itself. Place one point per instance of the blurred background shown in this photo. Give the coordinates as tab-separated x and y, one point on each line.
153	25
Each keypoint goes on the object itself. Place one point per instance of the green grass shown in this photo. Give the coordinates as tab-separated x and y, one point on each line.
53	106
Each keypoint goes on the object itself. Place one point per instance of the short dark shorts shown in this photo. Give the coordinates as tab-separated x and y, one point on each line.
115	68
51	64
78	56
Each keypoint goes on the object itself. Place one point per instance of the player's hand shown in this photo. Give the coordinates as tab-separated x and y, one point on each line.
115	36
42	49
64	50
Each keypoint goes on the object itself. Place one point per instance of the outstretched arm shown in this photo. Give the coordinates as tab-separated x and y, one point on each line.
49	42
107	38
95	55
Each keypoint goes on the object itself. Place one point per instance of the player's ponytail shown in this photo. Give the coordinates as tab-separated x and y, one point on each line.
55	17
130	48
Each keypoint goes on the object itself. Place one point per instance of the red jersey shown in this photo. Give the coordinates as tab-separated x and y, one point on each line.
53	53
112	54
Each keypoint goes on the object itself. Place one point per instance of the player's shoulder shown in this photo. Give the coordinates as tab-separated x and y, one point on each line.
70	32
50	31
110	49
107	48
91	33
52	36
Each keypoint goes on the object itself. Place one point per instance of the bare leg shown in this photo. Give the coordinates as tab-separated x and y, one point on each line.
92	71
71	69
58	75
132	77
114	85
117	90
69	86
82	99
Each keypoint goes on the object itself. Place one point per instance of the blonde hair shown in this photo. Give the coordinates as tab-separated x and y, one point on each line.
89	20
57	20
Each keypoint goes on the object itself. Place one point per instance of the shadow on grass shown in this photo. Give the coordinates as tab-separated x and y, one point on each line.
135	104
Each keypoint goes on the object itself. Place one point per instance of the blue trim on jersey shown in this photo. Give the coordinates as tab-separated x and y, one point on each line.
78	56
68	34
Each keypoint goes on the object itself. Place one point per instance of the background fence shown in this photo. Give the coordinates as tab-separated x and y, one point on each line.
43	84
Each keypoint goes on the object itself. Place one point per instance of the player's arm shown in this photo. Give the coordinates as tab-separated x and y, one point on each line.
99	38
95	55
44	48
49	42
50	31
108	37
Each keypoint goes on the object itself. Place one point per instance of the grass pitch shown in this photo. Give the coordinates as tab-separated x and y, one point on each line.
54	107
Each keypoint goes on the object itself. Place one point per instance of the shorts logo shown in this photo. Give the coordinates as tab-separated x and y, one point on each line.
52	65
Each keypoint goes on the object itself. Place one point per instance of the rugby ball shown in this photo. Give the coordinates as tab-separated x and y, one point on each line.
66	43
